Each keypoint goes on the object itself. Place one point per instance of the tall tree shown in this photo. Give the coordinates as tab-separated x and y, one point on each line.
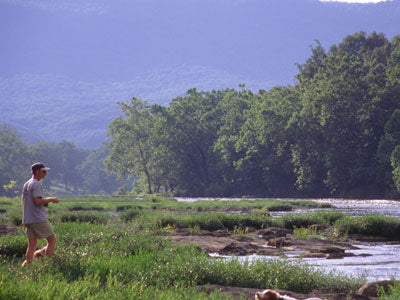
95	178
64	159
193	128
15	160
233	108
342	102
130	145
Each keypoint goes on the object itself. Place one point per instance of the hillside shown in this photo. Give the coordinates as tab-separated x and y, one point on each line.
53	108
70	62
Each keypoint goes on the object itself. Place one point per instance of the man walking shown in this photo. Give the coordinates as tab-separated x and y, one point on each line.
35	215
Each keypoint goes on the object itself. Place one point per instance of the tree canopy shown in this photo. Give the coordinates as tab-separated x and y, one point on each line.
334	133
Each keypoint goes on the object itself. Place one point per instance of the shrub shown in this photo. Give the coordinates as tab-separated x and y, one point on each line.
216	221
79	207
123	207
393	293
94	218
14	245
130	214
16	218
305	233
370	225
322	218
283	207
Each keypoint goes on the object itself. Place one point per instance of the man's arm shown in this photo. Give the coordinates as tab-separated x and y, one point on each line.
43	201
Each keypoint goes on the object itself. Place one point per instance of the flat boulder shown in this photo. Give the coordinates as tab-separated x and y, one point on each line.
371	289
279	242
274	232
242	249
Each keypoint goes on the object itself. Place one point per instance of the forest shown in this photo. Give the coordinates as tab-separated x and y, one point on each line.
72	170
334	133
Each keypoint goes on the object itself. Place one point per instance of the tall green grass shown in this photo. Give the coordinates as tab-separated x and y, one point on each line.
126	257
392	294
214	221
116	258
377	225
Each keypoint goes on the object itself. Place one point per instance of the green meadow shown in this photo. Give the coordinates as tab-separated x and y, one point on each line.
113	248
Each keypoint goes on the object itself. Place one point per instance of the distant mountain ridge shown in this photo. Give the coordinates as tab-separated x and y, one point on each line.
70	62
60	108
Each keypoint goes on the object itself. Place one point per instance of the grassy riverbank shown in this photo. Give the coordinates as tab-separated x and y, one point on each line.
126	256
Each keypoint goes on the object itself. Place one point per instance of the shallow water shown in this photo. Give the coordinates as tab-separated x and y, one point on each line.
383	264
363	207
387	208
385	260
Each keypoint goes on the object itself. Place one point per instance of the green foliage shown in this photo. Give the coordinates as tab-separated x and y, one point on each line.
94	218
114	259
393	293
95	178
76	170
214	221
306	220
283	207
331	134
305	233
64	159
130	146
13	246
11	187
334	133
130	214
370	225
395	162
15	156
16	218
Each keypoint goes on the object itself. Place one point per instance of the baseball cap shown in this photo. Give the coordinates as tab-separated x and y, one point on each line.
39	166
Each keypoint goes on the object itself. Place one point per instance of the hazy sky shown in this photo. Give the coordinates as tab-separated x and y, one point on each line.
120	39
355	1
74	52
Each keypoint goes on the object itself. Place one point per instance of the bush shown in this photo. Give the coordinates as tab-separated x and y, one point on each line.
393	293
13	246
130	214
216	221
16	218
370	225
123	207
317	218
79	207
283	207
94	218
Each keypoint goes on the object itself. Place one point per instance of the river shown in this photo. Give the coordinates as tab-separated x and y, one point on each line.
385	260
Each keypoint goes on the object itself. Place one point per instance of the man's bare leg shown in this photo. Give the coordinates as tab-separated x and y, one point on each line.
48	250
32	243
51	245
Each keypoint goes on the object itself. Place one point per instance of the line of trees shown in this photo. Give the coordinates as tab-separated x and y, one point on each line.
336	132
73	170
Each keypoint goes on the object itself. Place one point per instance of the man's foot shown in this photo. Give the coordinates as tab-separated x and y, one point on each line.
39	254
26	263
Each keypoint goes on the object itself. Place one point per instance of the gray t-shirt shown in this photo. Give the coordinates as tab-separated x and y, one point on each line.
33	213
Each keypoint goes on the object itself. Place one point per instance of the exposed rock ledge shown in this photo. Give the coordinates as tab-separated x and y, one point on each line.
270	241
274	241
366	292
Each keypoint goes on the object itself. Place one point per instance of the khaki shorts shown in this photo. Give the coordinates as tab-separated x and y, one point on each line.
39	230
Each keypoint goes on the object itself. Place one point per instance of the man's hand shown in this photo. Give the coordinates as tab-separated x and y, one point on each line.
53	199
